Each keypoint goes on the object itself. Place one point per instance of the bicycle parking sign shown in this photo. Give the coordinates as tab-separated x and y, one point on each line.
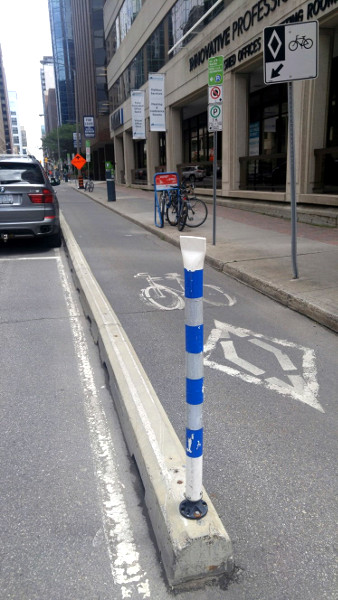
291	52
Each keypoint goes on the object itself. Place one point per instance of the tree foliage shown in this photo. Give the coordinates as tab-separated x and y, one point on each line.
50	142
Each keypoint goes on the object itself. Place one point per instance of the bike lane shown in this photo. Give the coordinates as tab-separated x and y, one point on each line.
257	468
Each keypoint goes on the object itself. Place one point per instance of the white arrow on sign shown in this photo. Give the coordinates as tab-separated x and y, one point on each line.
303	387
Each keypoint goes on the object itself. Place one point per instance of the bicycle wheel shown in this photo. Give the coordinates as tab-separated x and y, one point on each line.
308	43
197	212
182	219
163	199
172	212
163	298
293	45
214	295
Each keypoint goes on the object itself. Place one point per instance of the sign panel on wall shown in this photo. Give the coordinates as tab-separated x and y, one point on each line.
137	114
290	52
156	102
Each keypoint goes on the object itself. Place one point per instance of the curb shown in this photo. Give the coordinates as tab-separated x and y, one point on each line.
190	550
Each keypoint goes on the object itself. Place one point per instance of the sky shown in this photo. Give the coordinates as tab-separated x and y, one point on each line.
25	39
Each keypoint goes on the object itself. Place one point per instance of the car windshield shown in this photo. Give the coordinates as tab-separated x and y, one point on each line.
20	173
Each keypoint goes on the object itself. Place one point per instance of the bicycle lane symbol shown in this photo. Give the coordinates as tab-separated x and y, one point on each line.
227	350
171	297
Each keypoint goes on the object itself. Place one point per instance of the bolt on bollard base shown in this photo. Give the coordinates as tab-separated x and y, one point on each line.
193	510
110	179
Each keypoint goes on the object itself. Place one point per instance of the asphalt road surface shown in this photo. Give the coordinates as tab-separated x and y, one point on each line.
269	417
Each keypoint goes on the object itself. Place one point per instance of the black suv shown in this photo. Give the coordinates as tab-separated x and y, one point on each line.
28	202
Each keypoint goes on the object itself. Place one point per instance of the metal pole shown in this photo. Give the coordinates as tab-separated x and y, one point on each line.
79	173
193	252
214	173
292	182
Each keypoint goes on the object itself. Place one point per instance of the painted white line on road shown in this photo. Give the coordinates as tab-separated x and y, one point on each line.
302	387
283	359
124	557
18	259
231	355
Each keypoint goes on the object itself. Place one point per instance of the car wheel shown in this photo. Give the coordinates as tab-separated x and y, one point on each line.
192	178
54	240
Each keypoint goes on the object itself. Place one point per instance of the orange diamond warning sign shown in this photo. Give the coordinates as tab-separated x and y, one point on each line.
78	161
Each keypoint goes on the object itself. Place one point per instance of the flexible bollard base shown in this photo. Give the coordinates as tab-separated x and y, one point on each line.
193	510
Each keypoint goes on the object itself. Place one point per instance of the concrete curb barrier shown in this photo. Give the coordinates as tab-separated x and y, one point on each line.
190	550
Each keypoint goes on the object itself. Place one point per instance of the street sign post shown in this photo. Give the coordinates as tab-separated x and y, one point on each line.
78	161
215	70
291	53
215	117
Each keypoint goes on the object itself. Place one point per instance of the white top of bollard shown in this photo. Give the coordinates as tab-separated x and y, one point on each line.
193	251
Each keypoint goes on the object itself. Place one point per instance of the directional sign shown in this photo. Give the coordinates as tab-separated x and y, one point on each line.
291	52
78	161
215	117
215	93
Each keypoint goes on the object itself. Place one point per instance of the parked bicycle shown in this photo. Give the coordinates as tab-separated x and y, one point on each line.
89	185
183	208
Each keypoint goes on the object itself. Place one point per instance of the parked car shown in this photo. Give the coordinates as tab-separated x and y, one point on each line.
28	202
193	172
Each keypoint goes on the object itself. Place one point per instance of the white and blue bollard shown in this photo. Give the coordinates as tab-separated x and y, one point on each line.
193	252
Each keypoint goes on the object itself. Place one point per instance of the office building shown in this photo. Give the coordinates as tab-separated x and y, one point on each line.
60	17
253	158
91	83
6	140
15	123
48	93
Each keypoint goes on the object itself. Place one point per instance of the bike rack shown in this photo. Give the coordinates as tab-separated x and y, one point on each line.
163	182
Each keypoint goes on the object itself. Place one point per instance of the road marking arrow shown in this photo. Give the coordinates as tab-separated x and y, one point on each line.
302	387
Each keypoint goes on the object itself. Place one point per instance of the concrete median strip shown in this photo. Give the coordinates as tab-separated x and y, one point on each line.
190	550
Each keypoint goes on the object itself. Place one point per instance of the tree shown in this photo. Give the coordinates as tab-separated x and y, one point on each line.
50	142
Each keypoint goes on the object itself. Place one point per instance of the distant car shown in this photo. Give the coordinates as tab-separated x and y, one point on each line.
28	204
193	172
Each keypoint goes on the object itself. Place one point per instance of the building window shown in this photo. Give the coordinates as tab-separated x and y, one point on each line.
264	167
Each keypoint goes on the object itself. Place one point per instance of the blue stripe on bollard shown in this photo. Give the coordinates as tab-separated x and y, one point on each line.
194	339
194	440
193	283
194	391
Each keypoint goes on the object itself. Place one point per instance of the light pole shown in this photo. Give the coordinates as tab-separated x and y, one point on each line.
80	178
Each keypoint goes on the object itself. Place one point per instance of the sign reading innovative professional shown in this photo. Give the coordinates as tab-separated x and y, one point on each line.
156	102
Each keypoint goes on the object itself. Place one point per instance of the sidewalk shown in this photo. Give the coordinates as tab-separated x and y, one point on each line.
255	249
